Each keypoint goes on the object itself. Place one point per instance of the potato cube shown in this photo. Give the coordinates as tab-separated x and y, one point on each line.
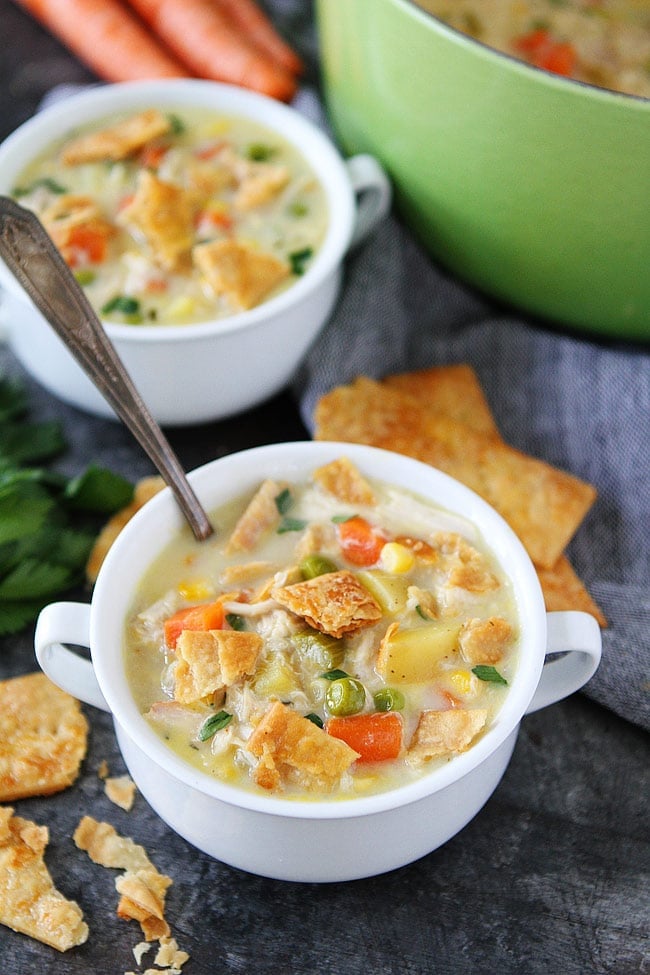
412	656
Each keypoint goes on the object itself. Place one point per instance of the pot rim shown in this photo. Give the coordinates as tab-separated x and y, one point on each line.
47	126
296	459
494	54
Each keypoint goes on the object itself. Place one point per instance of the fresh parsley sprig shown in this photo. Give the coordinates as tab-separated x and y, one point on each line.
48	523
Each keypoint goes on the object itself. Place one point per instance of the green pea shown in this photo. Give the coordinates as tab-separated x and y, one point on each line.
389	699
316	565
345	696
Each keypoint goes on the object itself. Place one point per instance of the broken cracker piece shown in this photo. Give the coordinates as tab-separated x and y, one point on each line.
442	733
29	902
105	846
121	790
335	602
43	737
117	141
240	272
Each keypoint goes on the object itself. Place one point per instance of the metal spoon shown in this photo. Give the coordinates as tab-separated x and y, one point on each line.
34	260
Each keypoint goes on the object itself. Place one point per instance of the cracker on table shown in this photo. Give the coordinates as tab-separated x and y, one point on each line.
455	390
43	737
29	901
542	504
121	790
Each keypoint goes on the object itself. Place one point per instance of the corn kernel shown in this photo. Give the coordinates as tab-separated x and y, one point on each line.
462	681
196	589
396	558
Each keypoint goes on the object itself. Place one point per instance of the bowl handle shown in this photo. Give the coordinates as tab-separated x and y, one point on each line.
59	624
373	191
577	637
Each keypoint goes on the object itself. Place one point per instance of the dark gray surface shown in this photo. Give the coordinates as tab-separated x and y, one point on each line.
553	876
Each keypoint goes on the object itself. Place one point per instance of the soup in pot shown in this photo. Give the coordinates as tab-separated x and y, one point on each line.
601	42
180	216
338	637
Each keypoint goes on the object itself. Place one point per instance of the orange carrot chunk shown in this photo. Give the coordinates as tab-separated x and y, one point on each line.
253	22
107	37
376	737
360	543
207	616
205	39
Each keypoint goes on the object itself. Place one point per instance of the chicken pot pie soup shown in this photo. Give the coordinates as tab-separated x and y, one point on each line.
176	217
337	638
601	42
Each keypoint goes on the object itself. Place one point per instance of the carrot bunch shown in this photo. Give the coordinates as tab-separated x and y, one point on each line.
221	40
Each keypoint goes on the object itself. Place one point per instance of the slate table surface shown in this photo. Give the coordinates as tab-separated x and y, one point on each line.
552	876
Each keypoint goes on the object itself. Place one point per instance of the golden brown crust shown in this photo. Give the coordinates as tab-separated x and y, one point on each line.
164	214
442	733
43	737
29	901
453	390
335	602
485	641
290	748
209	661
564	590
117	141
239	271
260	516
343	479
541	503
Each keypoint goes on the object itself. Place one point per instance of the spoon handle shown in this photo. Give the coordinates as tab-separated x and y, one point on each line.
33	259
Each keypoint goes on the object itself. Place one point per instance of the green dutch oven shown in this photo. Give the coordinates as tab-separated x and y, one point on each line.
531	187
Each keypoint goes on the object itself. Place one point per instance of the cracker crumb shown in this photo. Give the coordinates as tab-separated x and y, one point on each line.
121	790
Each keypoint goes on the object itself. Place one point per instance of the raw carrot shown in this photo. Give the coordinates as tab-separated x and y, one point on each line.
360	543
253	22
205	39
107	37
206	616
376	737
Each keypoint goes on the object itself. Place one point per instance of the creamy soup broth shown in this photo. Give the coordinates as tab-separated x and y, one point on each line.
324	615
179	216
602	42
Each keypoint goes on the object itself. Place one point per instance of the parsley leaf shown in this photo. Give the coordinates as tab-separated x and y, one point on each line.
489	674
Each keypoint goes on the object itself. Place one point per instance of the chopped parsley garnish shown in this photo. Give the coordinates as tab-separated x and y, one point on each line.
315	719
235	622
259	152
46	182
283	501
341	519
177	126
298	259
335	674
213	724
489	674
291	525
122	304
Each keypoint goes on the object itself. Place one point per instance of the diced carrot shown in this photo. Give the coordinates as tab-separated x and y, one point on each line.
360	543
376	737
205	39
151	156
542	50
107	37
452	701
206	616
210	150
85	245
251	20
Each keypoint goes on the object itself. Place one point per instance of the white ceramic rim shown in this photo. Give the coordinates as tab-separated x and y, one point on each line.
49	125
295	460
523	67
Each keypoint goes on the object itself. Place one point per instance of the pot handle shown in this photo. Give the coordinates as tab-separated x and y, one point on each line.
577	637
373	191
68	623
